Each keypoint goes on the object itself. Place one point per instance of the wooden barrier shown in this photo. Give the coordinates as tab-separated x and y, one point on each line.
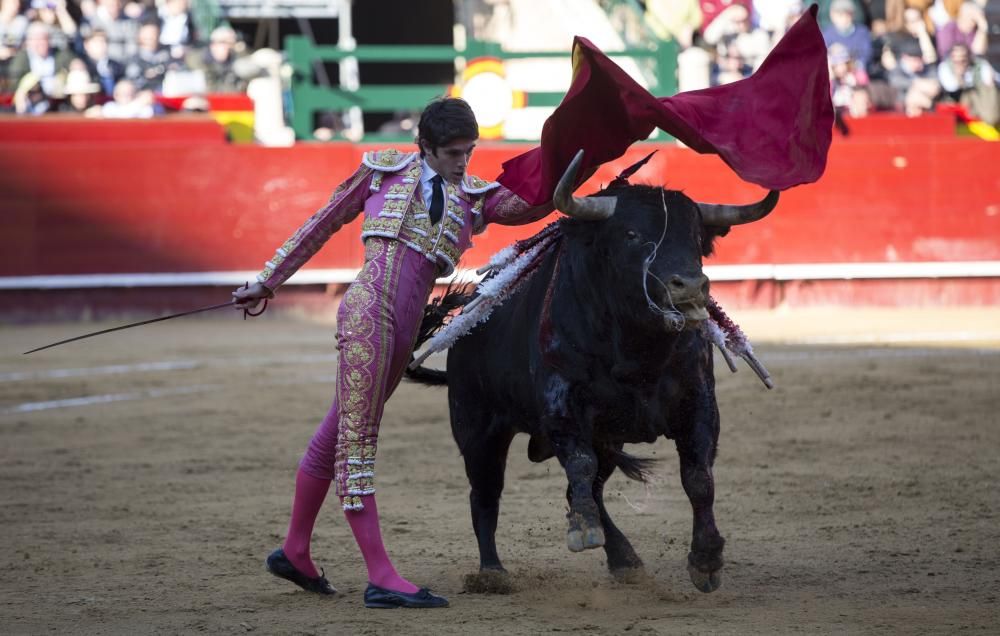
168	197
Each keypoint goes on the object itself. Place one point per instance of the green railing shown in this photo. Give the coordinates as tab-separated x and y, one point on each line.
308	97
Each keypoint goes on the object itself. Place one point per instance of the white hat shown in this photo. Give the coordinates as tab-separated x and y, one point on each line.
78	82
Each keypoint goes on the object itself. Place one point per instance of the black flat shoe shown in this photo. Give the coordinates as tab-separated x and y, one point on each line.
279	565
379	597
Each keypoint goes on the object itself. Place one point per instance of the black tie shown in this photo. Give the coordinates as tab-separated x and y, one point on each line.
437	199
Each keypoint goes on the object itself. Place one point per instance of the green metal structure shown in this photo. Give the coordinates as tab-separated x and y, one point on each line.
308	96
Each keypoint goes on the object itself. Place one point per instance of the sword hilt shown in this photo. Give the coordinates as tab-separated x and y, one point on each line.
247	312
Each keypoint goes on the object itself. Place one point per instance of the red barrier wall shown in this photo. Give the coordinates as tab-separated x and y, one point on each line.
172	198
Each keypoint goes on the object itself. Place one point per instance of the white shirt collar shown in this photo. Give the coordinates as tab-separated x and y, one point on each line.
427	173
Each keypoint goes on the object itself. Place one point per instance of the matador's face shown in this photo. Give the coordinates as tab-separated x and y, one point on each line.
451	160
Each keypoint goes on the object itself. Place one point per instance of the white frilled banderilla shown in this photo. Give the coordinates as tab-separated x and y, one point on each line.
516	264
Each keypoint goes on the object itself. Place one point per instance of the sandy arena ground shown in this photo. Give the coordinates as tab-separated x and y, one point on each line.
145	475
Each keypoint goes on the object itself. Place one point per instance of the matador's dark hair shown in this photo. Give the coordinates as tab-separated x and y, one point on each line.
445	120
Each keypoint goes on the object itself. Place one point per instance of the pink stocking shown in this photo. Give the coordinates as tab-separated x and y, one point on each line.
309	495
364	525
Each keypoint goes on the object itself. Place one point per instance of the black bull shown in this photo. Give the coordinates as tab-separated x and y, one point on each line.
599	349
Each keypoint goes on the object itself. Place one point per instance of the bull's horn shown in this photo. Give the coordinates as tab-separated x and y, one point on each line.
586	209
738	214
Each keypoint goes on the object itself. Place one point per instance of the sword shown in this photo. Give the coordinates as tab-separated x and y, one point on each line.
246	312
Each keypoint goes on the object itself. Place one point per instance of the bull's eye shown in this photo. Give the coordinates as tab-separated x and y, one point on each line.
631	235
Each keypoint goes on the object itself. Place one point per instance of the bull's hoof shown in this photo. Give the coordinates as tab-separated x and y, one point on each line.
579	540
705	581
488	582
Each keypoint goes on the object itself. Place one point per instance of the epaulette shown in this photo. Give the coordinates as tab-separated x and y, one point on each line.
388	160
474	185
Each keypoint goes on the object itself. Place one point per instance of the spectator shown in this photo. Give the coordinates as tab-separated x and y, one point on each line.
825	19
914	34
969	28
80	92
224	66
29	98
13	24
39	58
128	103
102	68
177	27
843	29
730	65
141	10
732	29
151	61
53	13
121	30
848	83
971	82
915	83
676	20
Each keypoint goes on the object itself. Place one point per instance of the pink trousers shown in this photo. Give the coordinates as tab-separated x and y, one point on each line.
377	325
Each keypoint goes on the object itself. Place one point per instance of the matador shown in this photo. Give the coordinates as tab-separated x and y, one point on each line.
420	212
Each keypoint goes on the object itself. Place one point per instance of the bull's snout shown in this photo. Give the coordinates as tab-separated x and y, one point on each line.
689	294
685	288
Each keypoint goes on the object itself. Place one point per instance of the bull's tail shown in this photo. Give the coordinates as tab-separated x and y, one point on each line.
435	316
429	377
637	468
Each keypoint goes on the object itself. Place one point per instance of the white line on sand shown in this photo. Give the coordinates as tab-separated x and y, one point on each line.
170	365
28	407
88	400
167	365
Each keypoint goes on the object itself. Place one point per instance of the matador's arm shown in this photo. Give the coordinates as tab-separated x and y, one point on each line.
347	201
505	207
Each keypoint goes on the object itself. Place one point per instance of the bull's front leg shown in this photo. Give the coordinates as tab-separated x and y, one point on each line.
572	441
585	528
697	454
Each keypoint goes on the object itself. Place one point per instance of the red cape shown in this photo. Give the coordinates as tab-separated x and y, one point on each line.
773	128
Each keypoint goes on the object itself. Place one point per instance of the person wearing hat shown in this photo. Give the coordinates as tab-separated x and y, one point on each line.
845	30
824	18
79	92
226	67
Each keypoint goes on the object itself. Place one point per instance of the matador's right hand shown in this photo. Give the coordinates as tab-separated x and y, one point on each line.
250	297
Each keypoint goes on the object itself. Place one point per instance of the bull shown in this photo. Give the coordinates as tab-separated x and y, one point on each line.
600	348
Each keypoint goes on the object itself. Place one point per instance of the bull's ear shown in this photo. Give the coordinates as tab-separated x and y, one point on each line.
708	235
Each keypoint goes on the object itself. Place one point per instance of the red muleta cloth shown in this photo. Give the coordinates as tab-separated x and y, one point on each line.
773	128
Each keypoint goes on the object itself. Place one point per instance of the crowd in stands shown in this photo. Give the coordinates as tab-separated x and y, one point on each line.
907	56
112	58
